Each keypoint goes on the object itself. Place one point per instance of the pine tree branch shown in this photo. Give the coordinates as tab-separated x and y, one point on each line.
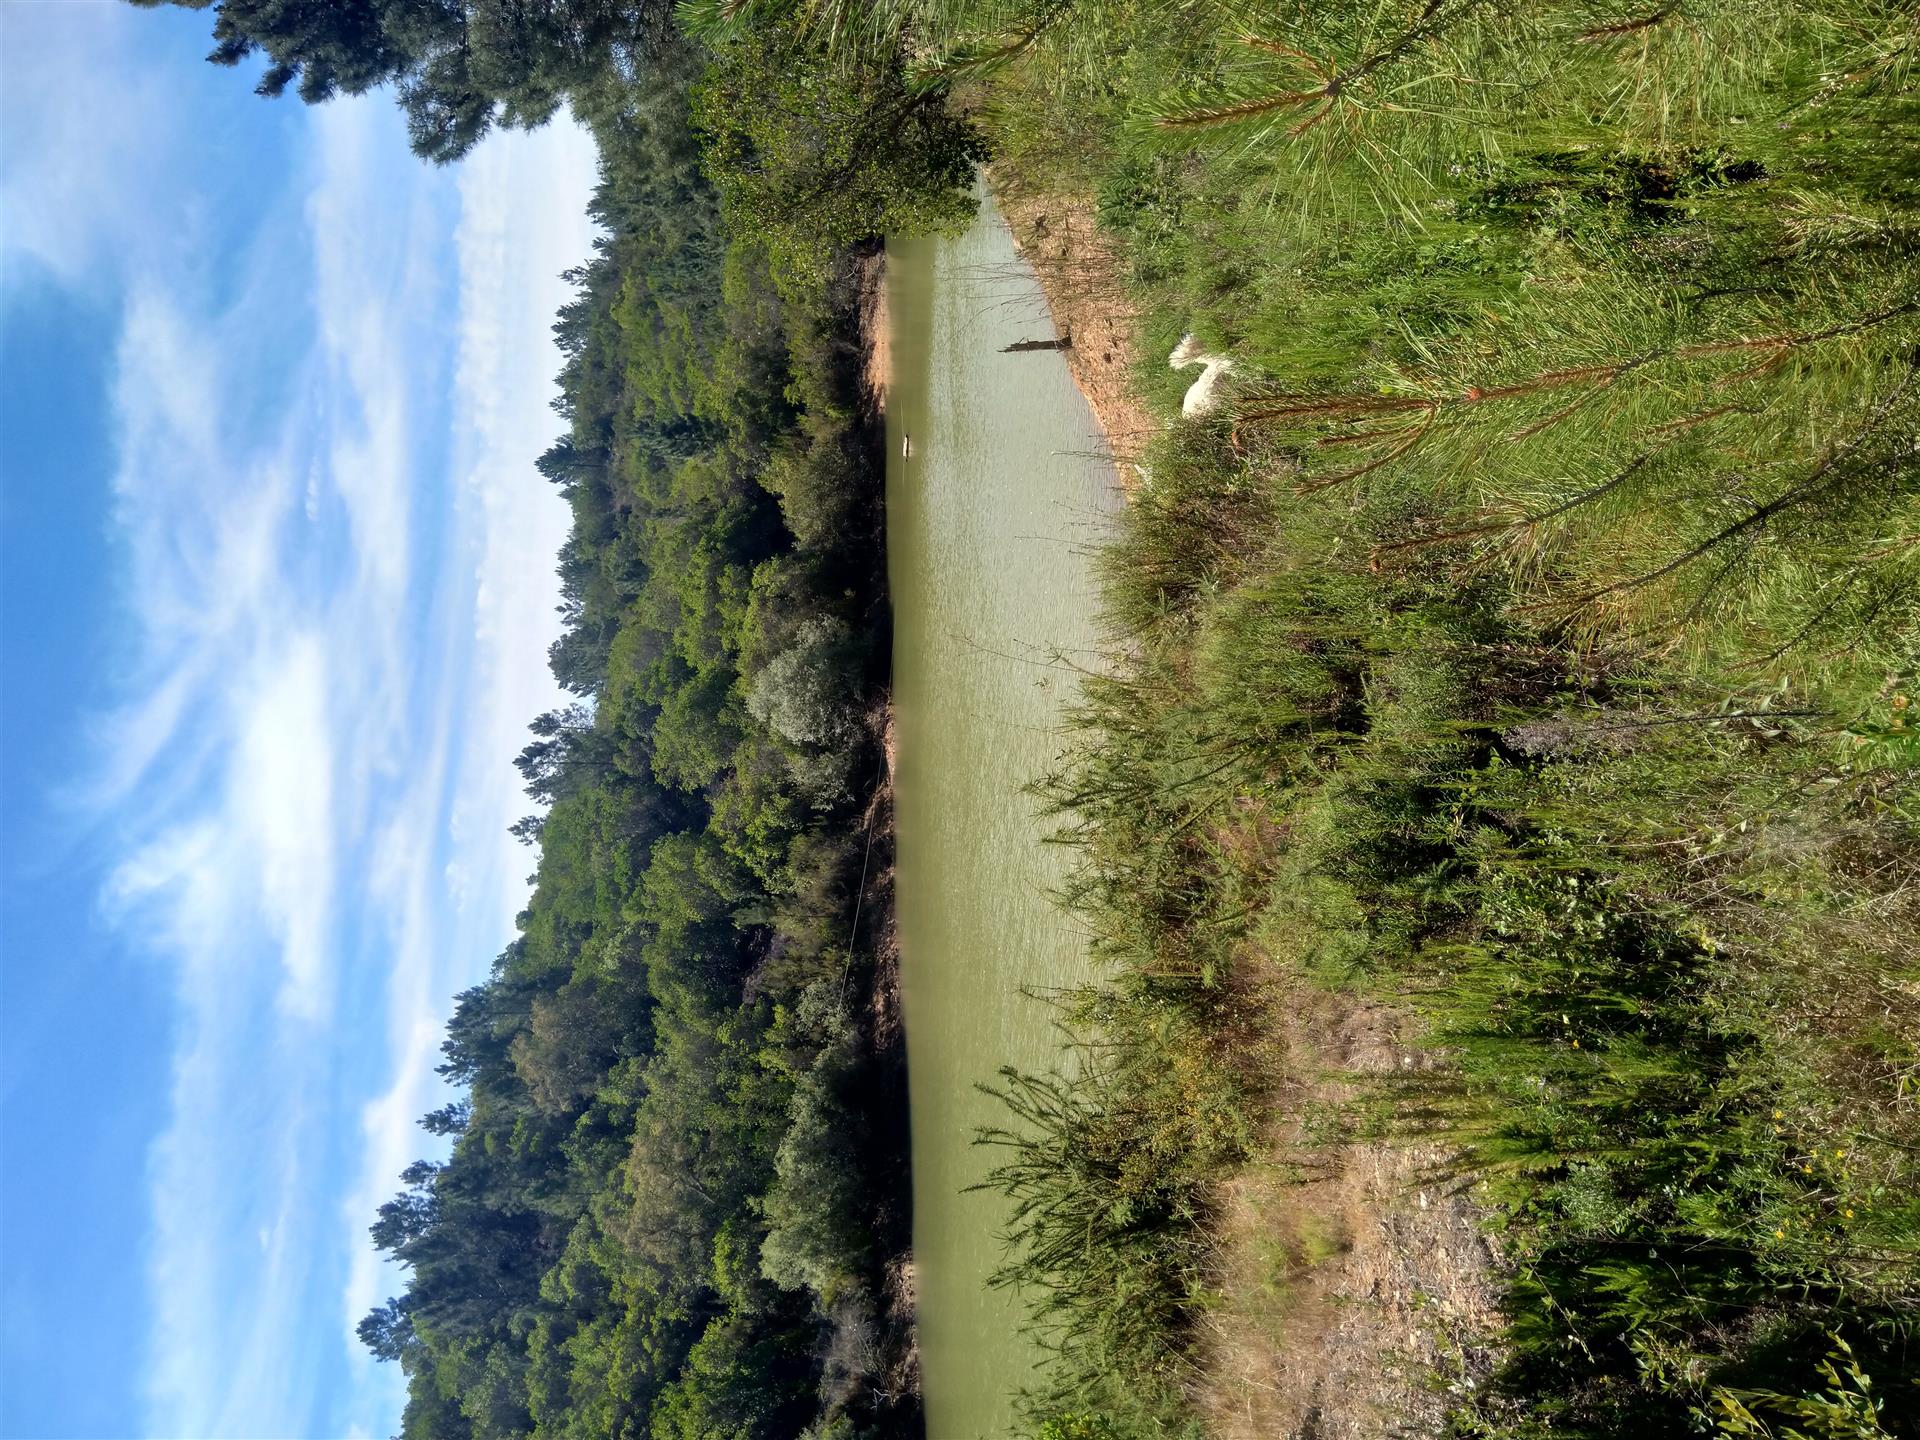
1799	495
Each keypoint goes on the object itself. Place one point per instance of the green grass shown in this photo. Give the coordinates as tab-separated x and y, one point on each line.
1531	643
1665	949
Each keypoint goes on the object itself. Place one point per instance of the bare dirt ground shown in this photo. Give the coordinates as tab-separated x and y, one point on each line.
875	330
1356	1288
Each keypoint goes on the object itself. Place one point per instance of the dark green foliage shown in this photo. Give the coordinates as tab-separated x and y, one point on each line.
458	67
813	1241
816	153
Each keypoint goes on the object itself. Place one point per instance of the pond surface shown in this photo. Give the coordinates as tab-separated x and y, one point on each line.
991	522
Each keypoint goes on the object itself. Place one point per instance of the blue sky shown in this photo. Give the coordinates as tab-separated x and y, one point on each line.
276	586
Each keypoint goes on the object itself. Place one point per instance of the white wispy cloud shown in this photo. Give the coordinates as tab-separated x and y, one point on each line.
338	589
78	189
269	686
522	222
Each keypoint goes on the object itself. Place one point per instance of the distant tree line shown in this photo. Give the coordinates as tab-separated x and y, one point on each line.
457	67
680	1174
677	1181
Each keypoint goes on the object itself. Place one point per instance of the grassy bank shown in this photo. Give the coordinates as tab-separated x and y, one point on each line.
1528	642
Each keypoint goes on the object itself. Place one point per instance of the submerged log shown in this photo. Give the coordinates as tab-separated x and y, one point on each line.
1065	342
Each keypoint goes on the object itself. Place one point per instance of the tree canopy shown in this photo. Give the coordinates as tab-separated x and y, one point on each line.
458	67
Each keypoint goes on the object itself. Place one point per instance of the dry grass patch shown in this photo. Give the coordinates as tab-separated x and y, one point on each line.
1353	1286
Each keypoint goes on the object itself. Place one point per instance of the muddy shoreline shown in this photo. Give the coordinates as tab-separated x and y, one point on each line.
1082	276
879	1013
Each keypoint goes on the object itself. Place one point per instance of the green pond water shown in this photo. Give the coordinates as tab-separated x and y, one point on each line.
991	523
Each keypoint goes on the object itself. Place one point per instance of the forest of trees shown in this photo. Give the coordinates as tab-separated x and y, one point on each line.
679	1174
677	1186
457	67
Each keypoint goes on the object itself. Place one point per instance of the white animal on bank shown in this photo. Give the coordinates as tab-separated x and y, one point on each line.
1203	396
